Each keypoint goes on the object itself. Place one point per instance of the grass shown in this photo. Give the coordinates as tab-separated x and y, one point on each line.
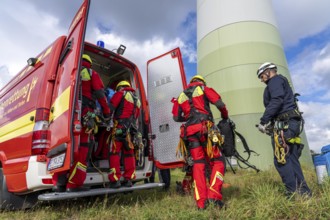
250	196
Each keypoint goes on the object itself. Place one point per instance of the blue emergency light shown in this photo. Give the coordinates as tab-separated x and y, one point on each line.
100	43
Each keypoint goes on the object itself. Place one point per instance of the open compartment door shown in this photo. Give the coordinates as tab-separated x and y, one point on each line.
65	112
166	80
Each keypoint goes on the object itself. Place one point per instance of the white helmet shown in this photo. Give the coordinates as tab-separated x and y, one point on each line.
264	67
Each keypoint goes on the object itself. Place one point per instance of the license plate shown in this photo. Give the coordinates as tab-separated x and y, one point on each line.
56	162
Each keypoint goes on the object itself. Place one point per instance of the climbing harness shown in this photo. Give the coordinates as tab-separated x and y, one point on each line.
281	148
214	140
123	130
91	121
181	150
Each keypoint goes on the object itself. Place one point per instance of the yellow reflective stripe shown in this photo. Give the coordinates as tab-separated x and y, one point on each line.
219	176
182	98
113	171
296	140
198	91
48	51
79	166
129	98
85	75
133	175
214	179
60	105
196	192
18	127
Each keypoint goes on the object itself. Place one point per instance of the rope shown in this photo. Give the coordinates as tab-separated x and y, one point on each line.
281	148
181	150
214	140
113	136
129	141
100	172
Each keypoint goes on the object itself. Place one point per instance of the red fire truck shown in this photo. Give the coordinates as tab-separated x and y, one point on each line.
40	118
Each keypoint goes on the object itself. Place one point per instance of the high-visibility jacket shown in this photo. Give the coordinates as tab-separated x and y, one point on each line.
92	86
126	109
125	104
193	106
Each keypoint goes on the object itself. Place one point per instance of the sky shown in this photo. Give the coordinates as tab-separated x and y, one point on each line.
149	28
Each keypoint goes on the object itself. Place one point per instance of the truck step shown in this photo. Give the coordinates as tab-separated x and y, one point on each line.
95	192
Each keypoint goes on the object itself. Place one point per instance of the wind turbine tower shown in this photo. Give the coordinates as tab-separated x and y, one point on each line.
234	37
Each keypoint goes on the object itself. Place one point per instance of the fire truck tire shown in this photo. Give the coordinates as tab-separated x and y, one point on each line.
10	201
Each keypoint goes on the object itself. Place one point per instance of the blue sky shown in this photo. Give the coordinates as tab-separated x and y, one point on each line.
152	27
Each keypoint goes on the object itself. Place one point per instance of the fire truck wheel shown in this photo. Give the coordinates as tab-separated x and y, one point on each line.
10	201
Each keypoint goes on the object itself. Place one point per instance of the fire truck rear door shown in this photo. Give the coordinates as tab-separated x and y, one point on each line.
64	99
166	80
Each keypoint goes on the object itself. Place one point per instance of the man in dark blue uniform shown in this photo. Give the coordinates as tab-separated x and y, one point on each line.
283	122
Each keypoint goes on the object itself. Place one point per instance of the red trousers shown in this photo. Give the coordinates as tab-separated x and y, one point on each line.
207	189
114	162
77	174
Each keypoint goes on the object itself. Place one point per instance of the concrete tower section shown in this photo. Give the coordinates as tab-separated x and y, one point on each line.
234	37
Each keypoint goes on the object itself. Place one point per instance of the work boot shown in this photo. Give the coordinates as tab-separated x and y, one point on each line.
127	183
115	185
217	203
58	188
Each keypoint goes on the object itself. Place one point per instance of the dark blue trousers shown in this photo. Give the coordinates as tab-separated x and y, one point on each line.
291	172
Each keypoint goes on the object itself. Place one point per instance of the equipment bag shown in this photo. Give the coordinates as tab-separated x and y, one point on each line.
229	145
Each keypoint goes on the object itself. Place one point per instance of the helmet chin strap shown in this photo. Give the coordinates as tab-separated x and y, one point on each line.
268	75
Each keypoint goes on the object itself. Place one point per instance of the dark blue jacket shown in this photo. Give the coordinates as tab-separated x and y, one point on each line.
278	98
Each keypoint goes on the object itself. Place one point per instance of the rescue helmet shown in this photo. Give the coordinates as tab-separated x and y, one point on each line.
198	77
264	67
122	83
87	57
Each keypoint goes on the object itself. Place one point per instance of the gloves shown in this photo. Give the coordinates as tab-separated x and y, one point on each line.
265	128
231	123
262	128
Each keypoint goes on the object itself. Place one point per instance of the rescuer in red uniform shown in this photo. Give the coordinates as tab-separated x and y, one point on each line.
125	107
92	86
192	107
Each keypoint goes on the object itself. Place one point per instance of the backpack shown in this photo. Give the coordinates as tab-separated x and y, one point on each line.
229	145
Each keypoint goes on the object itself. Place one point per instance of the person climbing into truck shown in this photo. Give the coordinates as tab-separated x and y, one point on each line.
91	86
125	107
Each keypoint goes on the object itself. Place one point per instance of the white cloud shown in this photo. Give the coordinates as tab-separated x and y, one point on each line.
317	124
145	27
310	72
298	19
139	52
25	32
5	77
